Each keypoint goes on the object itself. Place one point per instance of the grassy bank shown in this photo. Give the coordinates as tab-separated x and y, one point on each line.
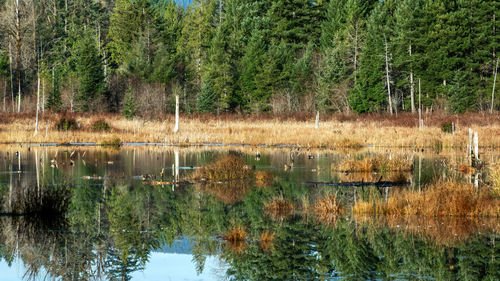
334	130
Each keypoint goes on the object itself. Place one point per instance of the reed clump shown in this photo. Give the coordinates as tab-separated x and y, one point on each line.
279	208
440	199
226	168
113	141
236	234
328	209
374	163
266	240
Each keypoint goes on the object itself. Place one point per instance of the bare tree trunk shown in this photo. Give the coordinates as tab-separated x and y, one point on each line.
4	93
387	75
419	107
316	124
11	79
412	87
18	55
37	103
176	128
493	90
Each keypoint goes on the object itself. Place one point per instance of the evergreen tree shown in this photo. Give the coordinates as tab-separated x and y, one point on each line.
129	105
89	68
370	90
207	99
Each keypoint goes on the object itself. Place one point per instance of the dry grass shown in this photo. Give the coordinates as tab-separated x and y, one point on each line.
236	239
263	178
266	240
279	208
439	199
336	131
494	177
226	168
375	163
441	231
328	209
466	169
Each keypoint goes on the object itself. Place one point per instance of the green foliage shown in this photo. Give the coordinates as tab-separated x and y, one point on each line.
89	68
207	98
129	105
66	123
447	127
100	126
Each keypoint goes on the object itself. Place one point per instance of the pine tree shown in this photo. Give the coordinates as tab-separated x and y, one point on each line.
371	87
207	99
129	105
89	68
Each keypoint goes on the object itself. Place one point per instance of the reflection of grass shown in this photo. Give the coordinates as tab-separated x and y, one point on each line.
229	192
375	164
236	239
439	199
279	208
266	240
442	231
263	178
328	209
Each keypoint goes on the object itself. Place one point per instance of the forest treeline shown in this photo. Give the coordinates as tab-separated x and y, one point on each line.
248	56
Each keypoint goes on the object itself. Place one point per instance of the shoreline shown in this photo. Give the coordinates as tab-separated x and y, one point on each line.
254	131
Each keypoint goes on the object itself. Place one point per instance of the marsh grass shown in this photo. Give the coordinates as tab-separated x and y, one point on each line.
375	163
443	231
236	239
113	141
336	131
266	240
263	178
328	209
226	168
279	208
443	198
494	178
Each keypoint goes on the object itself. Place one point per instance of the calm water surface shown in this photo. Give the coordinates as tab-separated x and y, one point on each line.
137	213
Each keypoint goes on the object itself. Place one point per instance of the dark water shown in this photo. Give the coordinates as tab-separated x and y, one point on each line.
123	218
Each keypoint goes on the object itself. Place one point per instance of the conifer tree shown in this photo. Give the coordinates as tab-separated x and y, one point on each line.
89	68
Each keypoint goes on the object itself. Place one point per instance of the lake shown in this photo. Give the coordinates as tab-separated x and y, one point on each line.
182	213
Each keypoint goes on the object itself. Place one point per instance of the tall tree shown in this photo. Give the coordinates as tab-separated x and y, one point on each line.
89	68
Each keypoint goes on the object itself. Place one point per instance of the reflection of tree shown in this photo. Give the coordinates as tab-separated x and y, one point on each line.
111	233
292	258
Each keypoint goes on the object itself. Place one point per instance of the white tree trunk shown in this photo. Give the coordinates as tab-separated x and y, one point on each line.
412	87
37	104
176	127
387	76
316	124
493	90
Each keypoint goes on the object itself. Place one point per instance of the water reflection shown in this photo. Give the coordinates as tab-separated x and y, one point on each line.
118	223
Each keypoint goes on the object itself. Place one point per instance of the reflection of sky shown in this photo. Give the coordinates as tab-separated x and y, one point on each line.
161	266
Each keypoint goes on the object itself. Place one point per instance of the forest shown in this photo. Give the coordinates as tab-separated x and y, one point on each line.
248	56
